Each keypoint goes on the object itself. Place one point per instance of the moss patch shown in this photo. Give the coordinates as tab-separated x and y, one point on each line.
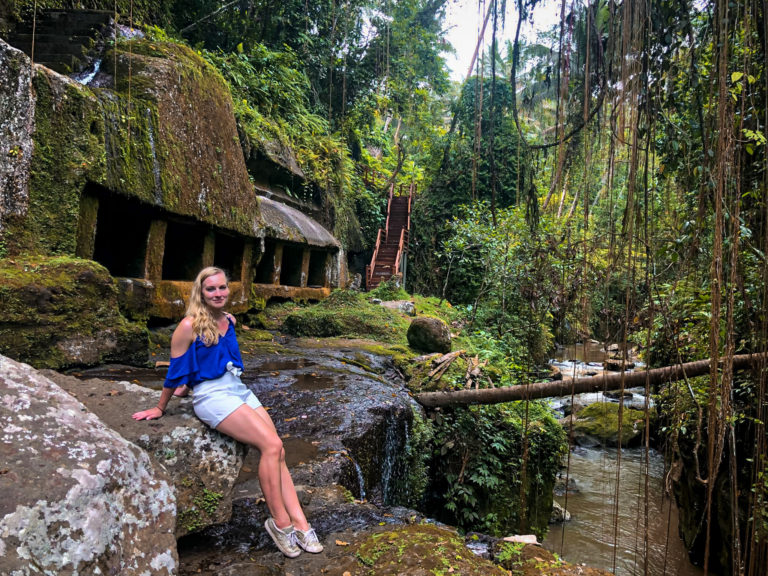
61	311
529	560
423	549
68	151
601	421
348	314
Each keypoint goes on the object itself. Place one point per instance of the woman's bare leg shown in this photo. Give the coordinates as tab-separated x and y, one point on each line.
247	426
290	498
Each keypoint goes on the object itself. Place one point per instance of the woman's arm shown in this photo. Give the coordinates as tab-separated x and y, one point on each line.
182	339
159	410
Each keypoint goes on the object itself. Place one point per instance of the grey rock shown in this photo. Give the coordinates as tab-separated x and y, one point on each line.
202	464
429	335
405	306
585	440
17	123
616	394
408	308
559	514
571	407
356	282
77	497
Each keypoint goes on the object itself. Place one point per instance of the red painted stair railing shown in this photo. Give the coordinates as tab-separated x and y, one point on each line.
392	241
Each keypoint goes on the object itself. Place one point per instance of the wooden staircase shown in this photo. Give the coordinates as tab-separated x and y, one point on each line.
392	242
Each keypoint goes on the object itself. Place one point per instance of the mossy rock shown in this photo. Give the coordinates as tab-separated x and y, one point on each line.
429	335
62	311
422	549
600	422
348	314
530	560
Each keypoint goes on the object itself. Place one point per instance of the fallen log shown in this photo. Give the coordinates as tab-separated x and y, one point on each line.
566	386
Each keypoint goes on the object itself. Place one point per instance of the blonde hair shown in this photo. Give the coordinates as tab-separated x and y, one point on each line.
203	323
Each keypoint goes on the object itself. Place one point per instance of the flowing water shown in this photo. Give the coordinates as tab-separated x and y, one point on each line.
596	525
599	529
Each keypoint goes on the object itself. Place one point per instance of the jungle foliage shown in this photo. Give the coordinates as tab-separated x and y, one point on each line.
607	179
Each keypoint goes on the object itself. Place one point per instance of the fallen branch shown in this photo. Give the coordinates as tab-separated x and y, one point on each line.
443	363
445	357
579	385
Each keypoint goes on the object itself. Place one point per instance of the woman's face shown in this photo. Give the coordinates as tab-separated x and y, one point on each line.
215	292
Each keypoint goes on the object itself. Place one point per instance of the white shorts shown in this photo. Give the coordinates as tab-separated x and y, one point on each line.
216	399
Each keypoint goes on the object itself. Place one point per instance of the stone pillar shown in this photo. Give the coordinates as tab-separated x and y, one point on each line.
278	264
247	266
305	267
209	249
153	260
327	270
86	226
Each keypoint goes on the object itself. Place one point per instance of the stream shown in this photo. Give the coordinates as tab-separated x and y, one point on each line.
595	526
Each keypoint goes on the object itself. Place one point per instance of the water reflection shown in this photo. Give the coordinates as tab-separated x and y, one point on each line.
587	359
595	526
589	351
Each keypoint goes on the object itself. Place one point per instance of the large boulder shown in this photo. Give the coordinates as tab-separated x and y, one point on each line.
201	463
60	311
429	335
77	497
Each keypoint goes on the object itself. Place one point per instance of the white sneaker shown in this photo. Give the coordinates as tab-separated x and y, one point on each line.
285	540
308	540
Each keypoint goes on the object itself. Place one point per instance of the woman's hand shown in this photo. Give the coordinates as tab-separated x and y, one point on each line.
151	414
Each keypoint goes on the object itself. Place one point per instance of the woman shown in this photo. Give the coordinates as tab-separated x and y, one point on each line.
205	356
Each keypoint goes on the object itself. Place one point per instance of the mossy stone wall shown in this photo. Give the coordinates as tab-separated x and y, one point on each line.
68	151
184	151
166	136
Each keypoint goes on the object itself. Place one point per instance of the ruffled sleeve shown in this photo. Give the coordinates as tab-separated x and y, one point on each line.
201	362
183	370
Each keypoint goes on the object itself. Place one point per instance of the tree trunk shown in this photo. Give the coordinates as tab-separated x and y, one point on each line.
579	385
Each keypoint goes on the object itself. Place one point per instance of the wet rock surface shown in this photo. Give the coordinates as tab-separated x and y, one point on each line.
77	498
343	415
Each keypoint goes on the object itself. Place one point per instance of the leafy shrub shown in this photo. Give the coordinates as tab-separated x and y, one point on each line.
480	453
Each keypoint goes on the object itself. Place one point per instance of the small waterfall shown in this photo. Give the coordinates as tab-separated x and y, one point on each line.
391	446
394	467
85	78
360	478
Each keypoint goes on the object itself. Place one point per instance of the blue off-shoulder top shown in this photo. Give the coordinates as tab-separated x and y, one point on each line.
201	362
